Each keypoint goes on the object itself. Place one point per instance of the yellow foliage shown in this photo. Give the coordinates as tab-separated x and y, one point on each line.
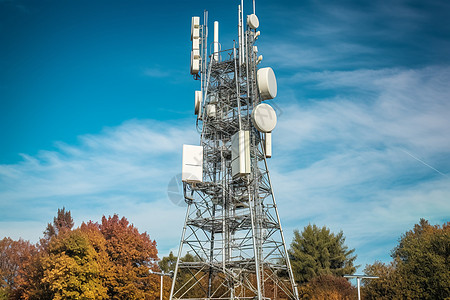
72	270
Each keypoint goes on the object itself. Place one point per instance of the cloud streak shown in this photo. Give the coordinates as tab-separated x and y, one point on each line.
120	170
355	154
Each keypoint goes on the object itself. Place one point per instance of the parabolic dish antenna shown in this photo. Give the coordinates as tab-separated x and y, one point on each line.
267	83
264	117
252	21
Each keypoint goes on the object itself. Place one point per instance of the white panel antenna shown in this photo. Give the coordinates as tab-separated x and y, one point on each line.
192	170
195	53
240	153
268	144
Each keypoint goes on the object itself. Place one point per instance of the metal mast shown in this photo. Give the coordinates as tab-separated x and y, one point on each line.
232	244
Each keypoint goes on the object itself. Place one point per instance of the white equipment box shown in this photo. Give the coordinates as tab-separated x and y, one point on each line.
192	170
240	153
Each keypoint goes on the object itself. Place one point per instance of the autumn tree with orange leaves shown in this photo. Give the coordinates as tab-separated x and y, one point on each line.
131	254
12	255
107	260
327	286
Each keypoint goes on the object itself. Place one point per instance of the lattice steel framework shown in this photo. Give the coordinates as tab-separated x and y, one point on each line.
232	229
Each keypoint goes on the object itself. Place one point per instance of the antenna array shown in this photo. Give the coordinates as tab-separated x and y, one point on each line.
232	233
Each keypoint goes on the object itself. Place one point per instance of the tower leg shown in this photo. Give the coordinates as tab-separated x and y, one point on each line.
286	253
174	279
256	244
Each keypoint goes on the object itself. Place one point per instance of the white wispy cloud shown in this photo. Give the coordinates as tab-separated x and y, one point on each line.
353	170
404	107
362	143
339	162
124	170
157	73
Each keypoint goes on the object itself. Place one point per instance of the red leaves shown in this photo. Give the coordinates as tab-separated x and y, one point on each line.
12	255
110	260
132	255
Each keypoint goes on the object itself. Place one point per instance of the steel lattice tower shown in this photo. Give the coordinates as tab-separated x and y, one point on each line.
232	229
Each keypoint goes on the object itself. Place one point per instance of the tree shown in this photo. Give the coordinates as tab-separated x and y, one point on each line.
387	286
110	260
29	280
167	263
420	269
71	269
62	222
423	256
317	251
327	287
98	241
12	255
132	254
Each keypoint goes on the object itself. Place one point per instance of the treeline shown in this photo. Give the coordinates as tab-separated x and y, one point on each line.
319	258
106	260
420	268
111	260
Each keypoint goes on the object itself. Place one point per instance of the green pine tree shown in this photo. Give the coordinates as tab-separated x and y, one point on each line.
317	251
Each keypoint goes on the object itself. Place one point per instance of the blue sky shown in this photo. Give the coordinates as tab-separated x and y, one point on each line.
96	101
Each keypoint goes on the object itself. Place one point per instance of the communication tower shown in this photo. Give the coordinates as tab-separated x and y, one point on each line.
232	229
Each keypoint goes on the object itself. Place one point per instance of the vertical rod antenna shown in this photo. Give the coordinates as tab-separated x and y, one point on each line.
216	41
240	34
242	46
